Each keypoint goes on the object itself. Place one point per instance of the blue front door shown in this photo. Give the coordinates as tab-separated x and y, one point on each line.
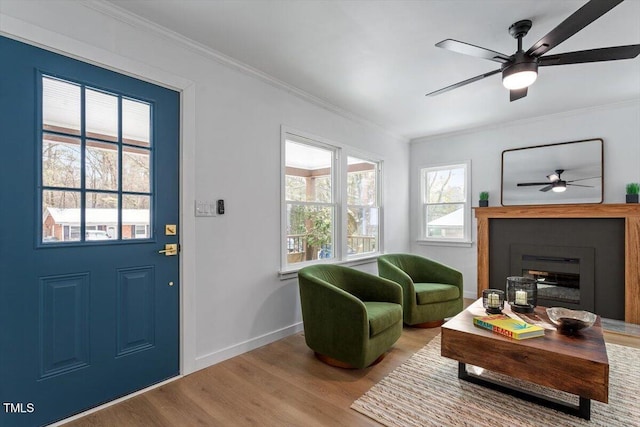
89	307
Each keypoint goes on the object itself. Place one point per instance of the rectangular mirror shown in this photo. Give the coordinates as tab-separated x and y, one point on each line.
563	173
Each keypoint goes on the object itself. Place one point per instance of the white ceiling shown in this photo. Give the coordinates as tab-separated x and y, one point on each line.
377	59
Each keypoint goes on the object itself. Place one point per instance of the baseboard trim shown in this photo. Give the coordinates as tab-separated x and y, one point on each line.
235	350
470	295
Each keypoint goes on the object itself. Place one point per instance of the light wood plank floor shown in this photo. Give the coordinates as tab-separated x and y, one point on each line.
280	384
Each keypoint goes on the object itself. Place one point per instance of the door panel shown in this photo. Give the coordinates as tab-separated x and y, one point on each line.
64	324
136	308
89	309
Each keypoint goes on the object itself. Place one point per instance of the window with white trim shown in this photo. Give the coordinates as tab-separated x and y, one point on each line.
331	202
445	215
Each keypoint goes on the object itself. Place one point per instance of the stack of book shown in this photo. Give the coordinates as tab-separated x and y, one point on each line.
509	327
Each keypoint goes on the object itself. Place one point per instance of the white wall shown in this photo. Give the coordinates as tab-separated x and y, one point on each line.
618	125
233	298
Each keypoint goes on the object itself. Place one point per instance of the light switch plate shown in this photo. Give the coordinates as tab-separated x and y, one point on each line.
205	208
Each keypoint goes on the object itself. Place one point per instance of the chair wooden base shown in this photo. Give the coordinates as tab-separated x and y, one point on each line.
428	325
339	364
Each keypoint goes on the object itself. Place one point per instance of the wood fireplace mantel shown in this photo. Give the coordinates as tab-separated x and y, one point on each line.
630	213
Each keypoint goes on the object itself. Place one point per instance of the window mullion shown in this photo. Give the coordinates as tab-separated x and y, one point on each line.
120	174
301	203
83	162
445	203
341	220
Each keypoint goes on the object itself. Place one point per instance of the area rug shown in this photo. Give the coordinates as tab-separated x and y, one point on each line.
426	391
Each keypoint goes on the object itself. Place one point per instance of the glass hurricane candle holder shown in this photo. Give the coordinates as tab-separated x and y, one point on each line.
493	300
522	294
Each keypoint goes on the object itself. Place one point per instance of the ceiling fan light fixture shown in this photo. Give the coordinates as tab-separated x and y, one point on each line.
519	75
559	186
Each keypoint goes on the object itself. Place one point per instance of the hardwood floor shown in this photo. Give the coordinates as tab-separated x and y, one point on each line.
280	384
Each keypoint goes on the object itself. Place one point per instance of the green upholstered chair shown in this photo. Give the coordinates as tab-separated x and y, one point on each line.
431	291
351	318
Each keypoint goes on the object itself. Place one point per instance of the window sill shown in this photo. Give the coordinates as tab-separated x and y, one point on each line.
458	243
367	259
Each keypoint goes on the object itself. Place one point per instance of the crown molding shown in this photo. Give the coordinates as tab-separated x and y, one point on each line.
113	11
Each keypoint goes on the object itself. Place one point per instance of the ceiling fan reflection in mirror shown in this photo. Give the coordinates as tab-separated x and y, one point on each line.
556	183
520	70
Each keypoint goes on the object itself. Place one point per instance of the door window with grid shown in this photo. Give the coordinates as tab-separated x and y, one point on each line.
96	157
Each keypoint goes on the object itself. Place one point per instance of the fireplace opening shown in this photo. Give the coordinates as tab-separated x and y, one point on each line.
558	278
564	274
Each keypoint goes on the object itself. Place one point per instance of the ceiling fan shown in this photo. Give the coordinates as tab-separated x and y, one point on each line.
556	183
520	70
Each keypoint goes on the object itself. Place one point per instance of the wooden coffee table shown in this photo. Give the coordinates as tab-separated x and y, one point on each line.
575	364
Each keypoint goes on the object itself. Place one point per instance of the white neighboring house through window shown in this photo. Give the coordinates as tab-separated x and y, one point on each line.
446	212
331	202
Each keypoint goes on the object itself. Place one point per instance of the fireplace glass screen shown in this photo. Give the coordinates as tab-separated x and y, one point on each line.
555	286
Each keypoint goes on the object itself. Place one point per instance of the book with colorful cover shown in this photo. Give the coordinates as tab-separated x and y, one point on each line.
509	327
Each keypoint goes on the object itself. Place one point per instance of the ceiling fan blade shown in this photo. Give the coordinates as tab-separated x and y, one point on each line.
530	184
515	94
592	55
472	50
579	185
583	179
462	83
574	23
547	188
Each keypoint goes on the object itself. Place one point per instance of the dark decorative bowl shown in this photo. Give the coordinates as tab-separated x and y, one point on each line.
570	321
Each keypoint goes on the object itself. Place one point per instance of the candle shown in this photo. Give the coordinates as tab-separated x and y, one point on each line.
521	297
493	300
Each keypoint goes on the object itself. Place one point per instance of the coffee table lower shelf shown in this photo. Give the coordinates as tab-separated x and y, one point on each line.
582	410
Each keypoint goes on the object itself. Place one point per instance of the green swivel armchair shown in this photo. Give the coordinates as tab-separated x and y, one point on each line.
431	291
351	318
